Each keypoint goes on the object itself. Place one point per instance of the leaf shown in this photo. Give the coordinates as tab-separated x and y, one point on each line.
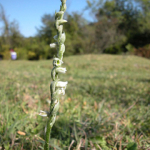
41	141
101	141
50	143
132	146
21	133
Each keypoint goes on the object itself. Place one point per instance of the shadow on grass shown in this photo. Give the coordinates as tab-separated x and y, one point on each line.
144	80
124	94
67	131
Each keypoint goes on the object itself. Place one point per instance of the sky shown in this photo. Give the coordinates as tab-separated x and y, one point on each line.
28	13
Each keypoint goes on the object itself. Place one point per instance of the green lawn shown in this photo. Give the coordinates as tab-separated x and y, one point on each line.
106	106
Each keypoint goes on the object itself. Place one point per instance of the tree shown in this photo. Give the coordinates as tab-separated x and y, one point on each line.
4	19
10	32
78	34
121	20
16	39
47	31
75	31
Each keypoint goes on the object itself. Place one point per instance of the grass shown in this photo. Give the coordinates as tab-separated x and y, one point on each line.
106	106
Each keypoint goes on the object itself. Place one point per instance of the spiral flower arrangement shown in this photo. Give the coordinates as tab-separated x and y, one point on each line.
57	87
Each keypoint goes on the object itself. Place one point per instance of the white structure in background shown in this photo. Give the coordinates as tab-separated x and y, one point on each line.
13	55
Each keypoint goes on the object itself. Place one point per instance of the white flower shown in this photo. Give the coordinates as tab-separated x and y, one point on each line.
62	21
61	70
53	45
43	113
61	91
57	62
61	84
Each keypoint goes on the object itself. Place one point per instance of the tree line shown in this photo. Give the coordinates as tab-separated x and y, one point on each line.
120	26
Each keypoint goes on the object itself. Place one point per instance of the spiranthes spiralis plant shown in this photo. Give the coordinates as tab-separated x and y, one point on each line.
57	87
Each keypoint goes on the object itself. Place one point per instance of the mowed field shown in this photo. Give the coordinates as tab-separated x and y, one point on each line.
106	105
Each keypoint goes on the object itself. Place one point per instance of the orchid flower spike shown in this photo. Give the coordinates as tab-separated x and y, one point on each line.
57	87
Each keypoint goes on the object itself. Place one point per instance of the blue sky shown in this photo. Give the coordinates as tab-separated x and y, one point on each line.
28	13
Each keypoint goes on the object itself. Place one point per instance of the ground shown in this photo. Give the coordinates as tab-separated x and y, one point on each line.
106	105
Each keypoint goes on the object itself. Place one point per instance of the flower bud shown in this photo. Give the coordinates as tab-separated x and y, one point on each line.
61	70
61	84
59	14
43	113
60	29
53	45
62	48
59	22
61	51
56	107
63	1
63	6
62	39
62	21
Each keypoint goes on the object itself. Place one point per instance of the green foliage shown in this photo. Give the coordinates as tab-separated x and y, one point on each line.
5	51
106	103
47	31
119	20
117	24
130	48
32	56
21	53
101	141
132	146
143	51
73	43
116	49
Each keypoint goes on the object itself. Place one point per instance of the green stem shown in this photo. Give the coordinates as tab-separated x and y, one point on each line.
48	132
